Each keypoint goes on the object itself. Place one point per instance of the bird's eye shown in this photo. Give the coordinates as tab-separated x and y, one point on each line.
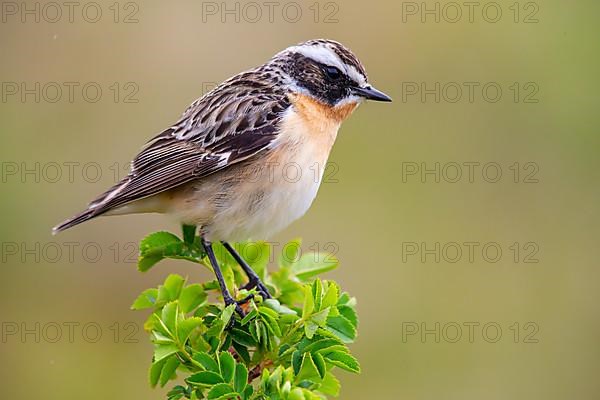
333	73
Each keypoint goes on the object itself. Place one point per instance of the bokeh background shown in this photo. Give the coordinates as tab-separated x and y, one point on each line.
384	225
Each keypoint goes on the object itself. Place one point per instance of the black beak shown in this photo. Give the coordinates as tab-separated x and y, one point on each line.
370	93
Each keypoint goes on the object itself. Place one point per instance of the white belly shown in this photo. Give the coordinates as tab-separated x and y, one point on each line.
269	200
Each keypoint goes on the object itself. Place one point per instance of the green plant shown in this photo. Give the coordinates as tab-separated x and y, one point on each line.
287	347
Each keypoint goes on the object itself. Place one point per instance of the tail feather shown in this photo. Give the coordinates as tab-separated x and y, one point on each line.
76	220
98	206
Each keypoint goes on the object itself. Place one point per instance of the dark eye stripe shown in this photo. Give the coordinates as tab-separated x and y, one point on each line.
333	72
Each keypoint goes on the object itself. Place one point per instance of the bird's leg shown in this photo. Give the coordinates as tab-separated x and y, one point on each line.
253	279
224	291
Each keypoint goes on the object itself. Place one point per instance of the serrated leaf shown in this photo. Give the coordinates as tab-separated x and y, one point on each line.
321	345
342	360
155	370
330	385
176	393
169	318
152	248
240	378
320	364
309	302
168	370
350	314
308	370
227	366
227	313
279	308
147	299
242	337
342	328
317	291
191	297
206	361
320	318
242	352
310	328
296	361
222	391
330	298
173	284
205	378
163	351
186	326
251	315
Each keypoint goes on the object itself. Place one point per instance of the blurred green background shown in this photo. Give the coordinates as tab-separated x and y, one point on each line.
384	225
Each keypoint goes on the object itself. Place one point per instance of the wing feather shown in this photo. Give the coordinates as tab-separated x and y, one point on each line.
236	121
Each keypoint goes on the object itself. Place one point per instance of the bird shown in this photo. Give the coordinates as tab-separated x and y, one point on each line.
240	162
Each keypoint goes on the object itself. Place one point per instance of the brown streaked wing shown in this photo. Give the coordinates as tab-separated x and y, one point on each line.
237	120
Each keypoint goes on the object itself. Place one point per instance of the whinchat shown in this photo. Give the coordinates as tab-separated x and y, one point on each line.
222	165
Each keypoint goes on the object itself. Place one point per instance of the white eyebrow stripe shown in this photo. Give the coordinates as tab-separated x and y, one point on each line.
327	56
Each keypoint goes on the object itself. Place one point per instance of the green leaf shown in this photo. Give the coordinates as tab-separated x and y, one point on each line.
155	370
186	326
242	337
191	297
320	318
309	302
350	314
168	371
153	248
147	299
308	370
342	360
169	318
173	284
330	298
330	385
206	361
320	345
189	233
342	328
313	264
205	378
227	313
222	391
320	364
310	328
241	378
227	366
163	351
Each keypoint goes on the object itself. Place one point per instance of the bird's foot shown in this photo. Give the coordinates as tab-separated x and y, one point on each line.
259	286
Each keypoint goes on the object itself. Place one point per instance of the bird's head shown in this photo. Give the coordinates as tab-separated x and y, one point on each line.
328	72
